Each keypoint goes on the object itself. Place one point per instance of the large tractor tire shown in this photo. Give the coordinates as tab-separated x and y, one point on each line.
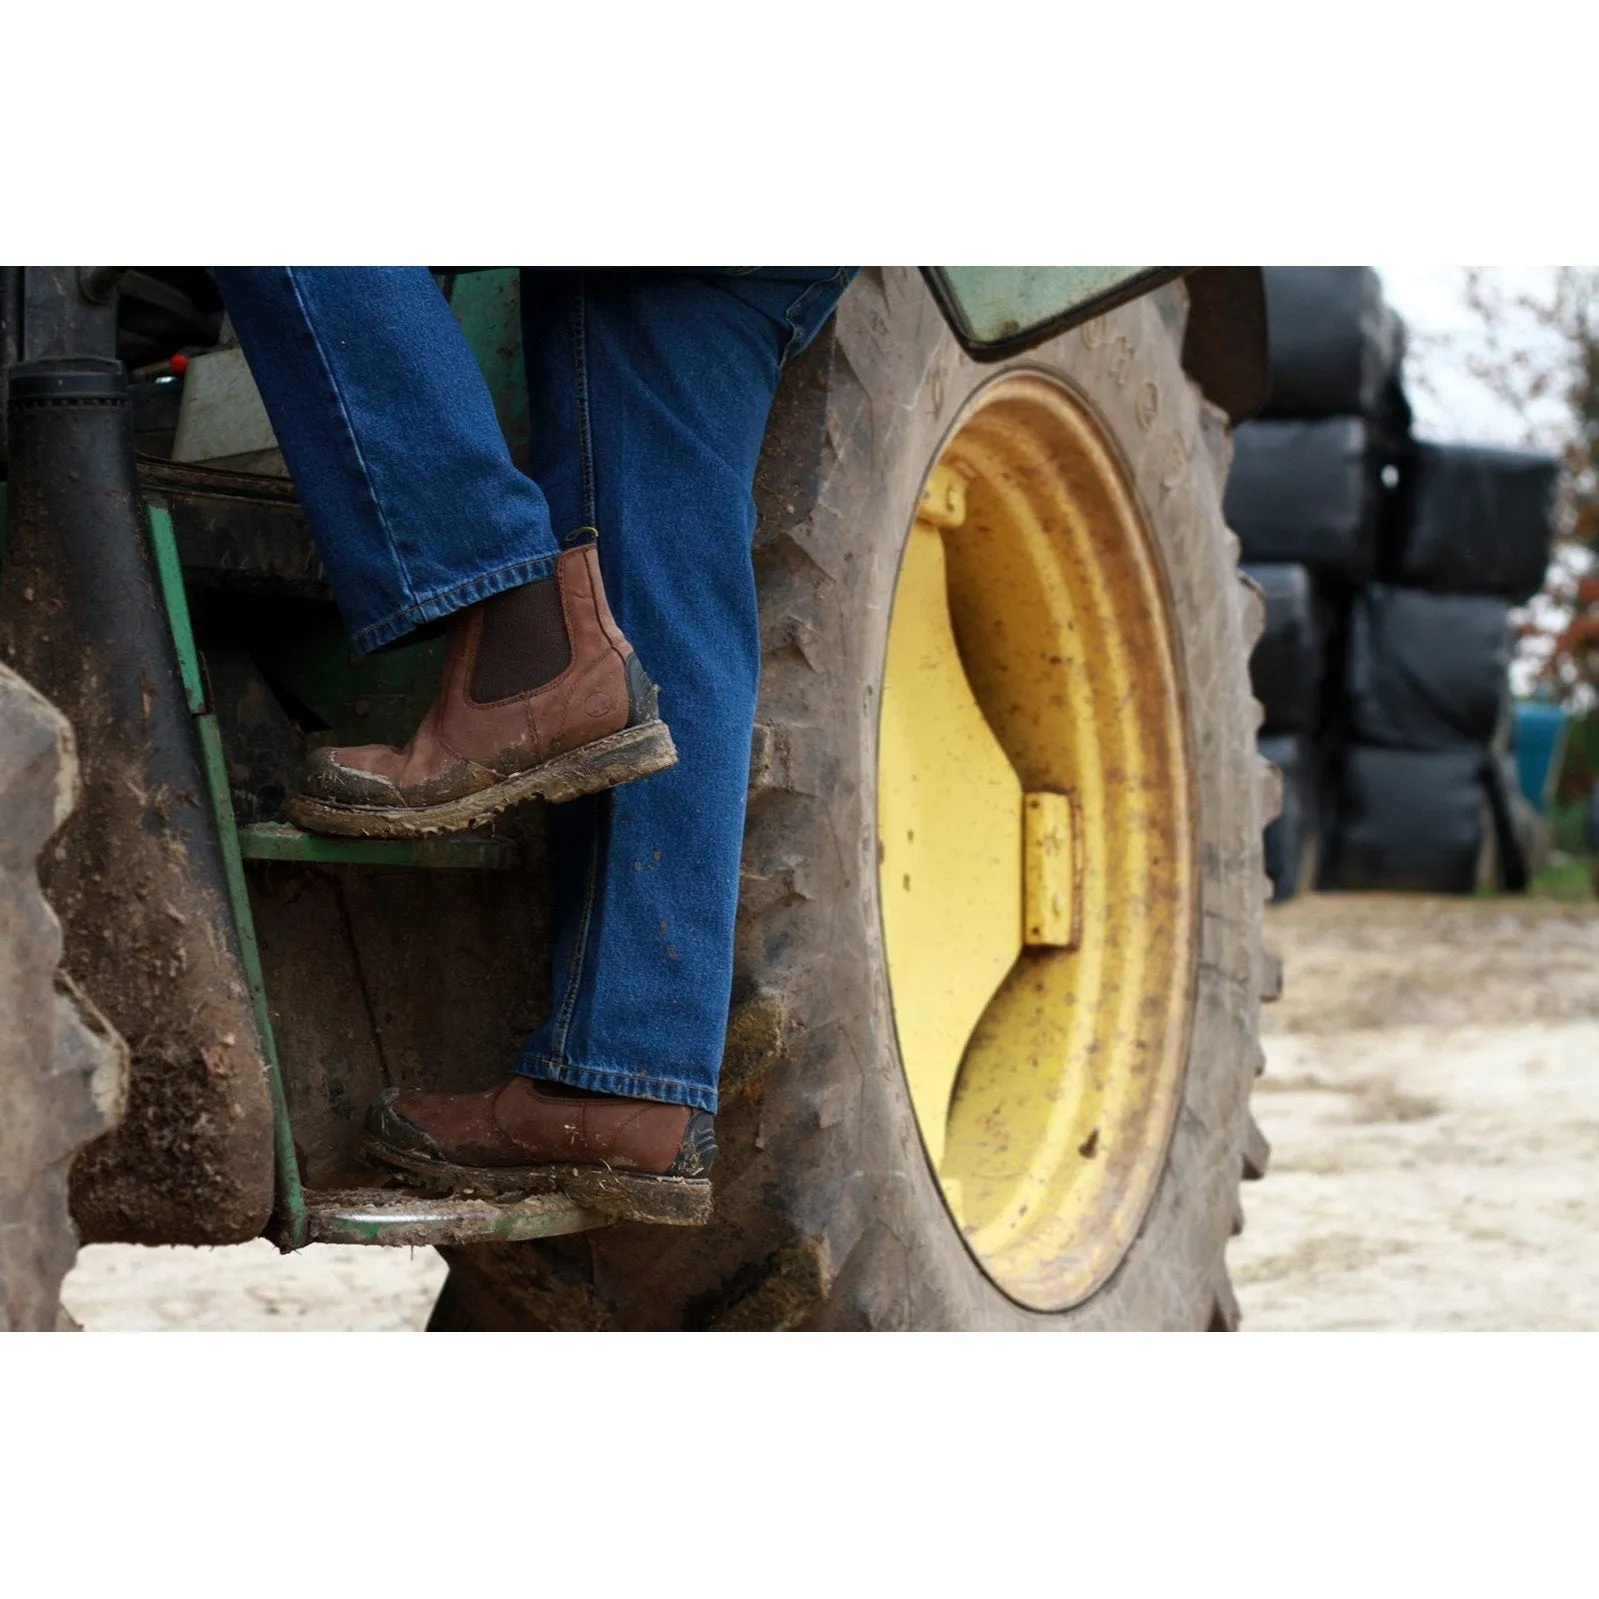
995	1021
63	1072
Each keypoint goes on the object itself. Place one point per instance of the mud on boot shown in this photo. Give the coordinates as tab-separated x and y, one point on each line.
542	697
631	1159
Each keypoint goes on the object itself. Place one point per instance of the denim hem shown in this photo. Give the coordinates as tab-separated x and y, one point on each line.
626	1085
445	602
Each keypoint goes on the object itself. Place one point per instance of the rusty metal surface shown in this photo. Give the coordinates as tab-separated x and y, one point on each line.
183	477
259	546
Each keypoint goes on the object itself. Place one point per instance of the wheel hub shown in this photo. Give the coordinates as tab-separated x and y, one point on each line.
1035	842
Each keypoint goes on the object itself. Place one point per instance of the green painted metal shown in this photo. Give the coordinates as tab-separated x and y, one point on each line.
363	699
169	573
488	305
1000	304
290	1220
276	841
398	1218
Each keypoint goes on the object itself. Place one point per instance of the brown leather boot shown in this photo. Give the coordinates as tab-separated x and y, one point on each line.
542	695
634	1159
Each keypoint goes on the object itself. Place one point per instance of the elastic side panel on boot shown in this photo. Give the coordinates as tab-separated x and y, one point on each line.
524	643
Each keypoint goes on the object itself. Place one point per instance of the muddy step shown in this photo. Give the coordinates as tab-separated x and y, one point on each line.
397	1216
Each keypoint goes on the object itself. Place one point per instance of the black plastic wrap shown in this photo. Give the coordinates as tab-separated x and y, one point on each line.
1307	492
1335	346
1476	521
1409	819
1291	840
1285	670
1515	825
1426	671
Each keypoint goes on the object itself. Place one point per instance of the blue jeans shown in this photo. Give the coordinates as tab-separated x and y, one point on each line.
649	392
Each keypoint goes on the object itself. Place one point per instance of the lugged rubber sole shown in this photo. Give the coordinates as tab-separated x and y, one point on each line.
608	762
624	1196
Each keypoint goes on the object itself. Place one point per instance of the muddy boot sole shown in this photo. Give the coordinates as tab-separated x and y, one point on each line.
608	762
623	1196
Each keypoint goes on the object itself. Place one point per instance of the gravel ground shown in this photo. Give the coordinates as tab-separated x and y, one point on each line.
1431	1095
1432	1100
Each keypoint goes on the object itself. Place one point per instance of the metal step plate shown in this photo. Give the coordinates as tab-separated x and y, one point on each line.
396	1216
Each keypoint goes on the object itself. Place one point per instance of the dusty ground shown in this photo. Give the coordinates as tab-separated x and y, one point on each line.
1431	1095
1432	1099
252	1288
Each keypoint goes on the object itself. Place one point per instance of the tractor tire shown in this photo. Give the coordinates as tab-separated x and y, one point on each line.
829	1211
63	1072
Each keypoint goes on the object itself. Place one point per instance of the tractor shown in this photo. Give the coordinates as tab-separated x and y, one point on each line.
994	1021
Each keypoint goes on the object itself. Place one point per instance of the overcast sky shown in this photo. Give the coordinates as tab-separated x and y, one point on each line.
1450	404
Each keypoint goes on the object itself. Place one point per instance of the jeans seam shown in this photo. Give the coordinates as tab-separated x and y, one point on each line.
580	379
419	603
839	280
561	1065
355	443
574	977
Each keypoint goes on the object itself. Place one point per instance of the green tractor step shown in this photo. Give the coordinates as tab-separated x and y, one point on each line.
277	841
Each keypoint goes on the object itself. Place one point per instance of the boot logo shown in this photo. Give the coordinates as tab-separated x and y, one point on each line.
598	705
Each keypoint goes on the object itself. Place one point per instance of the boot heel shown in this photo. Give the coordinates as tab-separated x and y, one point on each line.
609	762
627	1196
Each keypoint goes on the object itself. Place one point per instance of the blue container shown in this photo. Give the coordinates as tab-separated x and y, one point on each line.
1539	740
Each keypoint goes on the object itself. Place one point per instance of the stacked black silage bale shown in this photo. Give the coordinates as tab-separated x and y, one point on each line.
1312	491
1423	793
1389	568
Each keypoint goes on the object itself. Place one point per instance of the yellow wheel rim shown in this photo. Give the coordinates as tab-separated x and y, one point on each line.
1035	842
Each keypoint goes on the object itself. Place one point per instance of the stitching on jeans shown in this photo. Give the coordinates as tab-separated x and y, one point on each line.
471	582
414	611
349	427
791	316
580	378
565	1068
563	1024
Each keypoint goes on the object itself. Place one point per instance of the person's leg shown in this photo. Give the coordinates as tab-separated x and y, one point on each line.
678	373
419	513
650	392
389	431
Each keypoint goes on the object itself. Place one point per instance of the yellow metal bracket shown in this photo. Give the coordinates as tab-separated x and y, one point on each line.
1052	871
943	500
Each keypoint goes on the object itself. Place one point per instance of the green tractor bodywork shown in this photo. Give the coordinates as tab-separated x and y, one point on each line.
371	963
262	657
373	698
350	1216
